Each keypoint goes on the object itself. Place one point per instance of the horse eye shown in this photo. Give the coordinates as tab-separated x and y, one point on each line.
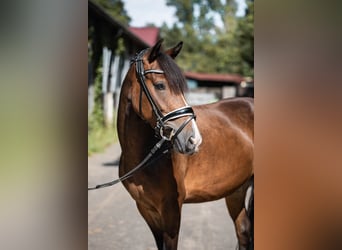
159	86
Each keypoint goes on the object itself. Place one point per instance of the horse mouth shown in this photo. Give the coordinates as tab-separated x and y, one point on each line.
184	140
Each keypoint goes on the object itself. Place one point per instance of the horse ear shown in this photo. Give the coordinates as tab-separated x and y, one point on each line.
155	51
173	52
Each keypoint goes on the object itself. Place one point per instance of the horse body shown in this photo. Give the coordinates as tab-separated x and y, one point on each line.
225	159
220	169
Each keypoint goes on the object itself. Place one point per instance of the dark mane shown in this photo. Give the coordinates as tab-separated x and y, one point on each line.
173	73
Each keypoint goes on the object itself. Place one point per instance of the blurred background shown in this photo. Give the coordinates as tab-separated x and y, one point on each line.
44	115
43	127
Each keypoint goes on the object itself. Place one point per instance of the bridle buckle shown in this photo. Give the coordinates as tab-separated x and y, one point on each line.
166	136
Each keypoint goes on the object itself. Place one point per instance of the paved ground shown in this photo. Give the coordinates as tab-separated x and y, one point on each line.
115	223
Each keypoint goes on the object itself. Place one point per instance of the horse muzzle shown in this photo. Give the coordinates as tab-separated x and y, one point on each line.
179	127
188	139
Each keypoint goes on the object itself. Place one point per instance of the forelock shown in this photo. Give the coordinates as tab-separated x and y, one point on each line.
173	73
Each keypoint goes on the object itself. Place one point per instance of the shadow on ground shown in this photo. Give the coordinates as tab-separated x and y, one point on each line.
114	163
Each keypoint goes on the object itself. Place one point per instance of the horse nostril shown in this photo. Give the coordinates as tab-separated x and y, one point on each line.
192	140
191	143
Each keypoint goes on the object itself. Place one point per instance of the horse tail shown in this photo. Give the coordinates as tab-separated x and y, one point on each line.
250	214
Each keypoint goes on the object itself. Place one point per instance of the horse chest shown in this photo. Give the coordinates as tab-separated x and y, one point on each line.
141	195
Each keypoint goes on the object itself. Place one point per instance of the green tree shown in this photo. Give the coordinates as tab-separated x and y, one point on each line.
196	27
115	8
245	40
207	47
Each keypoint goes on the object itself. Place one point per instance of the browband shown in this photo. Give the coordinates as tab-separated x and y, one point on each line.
184	111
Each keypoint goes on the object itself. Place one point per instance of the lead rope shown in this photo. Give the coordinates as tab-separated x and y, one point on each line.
131	172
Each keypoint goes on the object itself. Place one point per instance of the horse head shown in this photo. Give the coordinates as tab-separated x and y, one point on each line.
157	96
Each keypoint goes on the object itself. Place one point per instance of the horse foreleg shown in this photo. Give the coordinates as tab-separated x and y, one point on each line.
164	225
236	207
152	219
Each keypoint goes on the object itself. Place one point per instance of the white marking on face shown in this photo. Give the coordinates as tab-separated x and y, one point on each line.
185	103
197	140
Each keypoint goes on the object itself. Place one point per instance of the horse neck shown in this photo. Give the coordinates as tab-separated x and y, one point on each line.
135	135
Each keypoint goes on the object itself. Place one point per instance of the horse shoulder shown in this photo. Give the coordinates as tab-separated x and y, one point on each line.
240	112
233	111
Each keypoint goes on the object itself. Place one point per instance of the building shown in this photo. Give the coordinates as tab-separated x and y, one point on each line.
208	87
150	35
110	47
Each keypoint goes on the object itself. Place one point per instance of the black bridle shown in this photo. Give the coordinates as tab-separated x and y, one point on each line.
161	119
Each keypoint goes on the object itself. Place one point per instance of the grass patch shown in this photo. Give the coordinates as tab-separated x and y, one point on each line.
99	138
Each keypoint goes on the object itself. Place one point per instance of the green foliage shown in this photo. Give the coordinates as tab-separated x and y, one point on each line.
116	9
96	118
245	40
99	136
208	48
120	47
